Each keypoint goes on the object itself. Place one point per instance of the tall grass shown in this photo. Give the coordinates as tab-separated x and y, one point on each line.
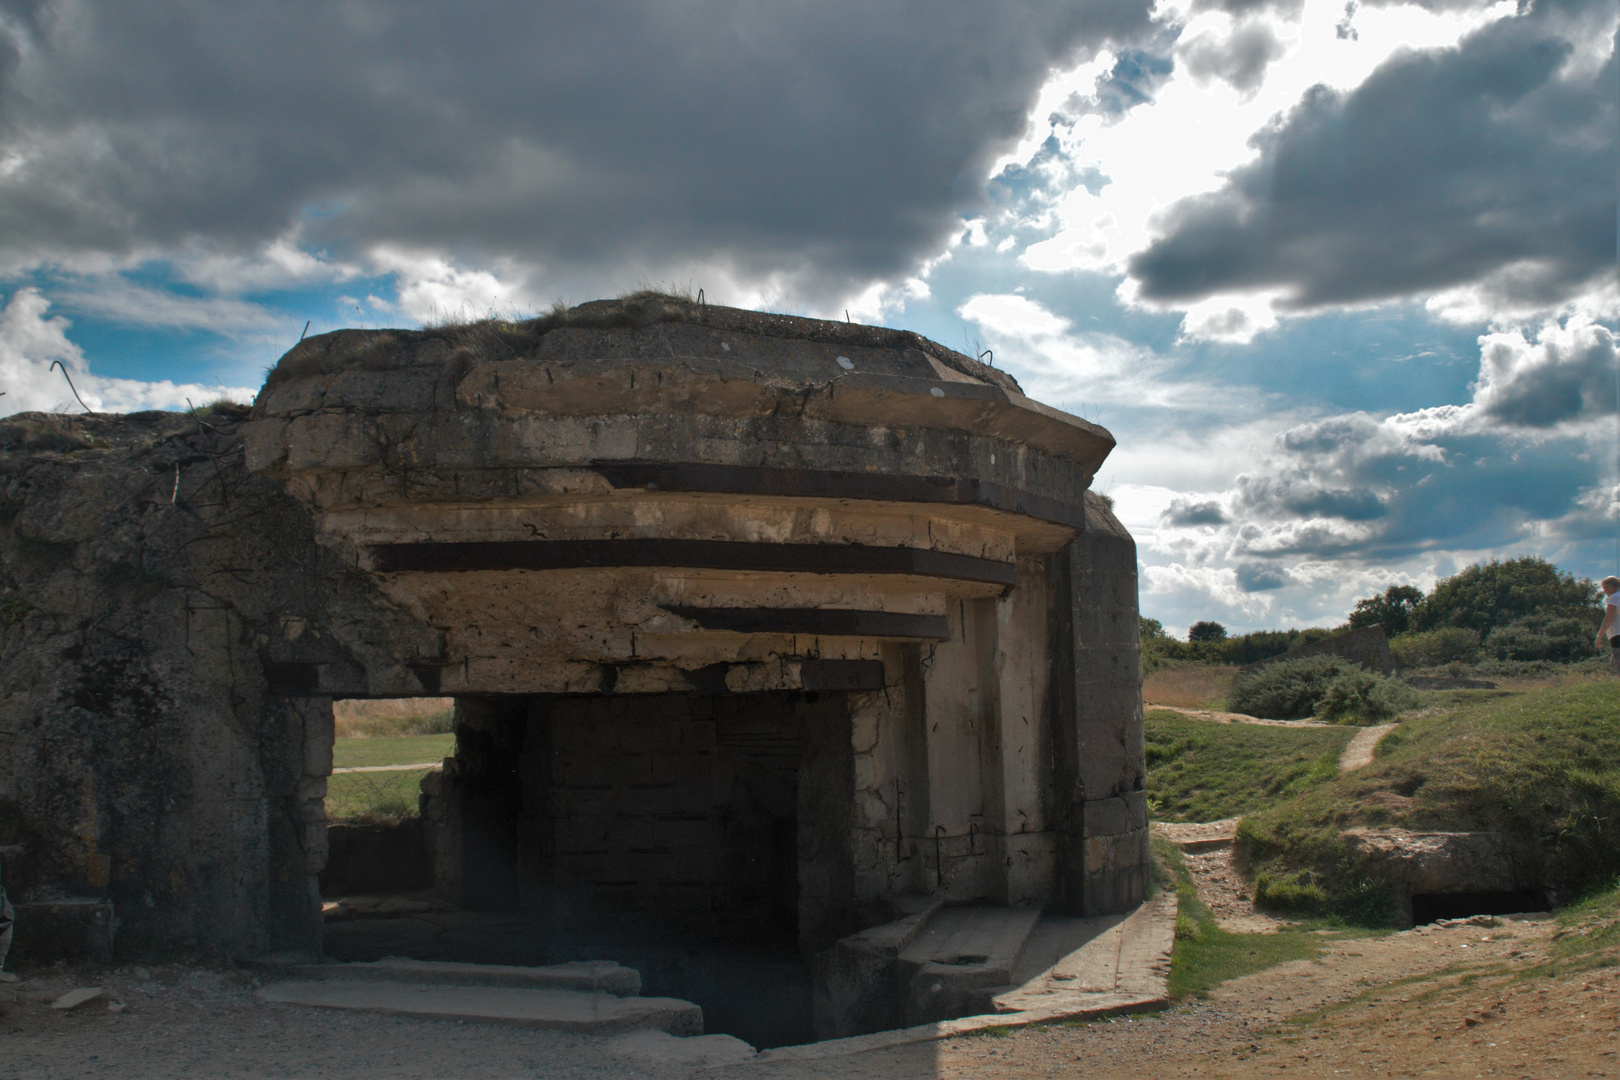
1195	686
380	719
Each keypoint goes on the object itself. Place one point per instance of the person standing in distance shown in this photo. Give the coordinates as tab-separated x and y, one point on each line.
1610	630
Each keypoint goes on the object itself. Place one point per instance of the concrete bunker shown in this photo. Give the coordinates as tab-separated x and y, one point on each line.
760	629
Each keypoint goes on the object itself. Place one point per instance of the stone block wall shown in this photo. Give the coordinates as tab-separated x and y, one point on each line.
657	813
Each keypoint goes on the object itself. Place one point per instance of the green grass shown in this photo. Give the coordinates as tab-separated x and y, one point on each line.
1541	768
1201	771
1206	955
382	796
399	750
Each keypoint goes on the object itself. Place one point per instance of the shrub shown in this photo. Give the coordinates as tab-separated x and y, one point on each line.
1361	696
1297	891
1541	637
1436	648
1287	689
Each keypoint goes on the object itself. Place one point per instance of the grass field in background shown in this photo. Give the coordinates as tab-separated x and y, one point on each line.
373	797
1200	771
357	718
381	796
400	750
1194	686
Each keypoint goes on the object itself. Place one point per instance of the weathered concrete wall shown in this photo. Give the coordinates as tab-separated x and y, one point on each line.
146	583
632	504
1100	752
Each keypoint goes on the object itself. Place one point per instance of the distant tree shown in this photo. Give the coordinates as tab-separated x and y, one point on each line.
1206	631
1486	596
1149	629
1392	611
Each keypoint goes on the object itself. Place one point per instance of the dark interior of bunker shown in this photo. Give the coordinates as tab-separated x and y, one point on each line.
664	831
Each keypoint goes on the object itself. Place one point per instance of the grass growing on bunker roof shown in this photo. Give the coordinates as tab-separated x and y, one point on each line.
501	339
1204	771
1541	768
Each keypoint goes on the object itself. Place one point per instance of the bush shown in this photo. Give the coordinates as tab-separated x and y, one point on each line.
1287	689
1297	891
1540	637
1361	696
1436	648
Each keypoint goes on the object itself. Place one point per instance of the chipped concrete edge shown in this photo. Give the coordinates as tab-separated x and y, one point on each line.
1144	969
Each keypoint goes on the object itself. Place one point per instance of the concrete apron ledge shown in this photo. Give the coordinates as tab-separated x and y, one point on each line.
560	1010
591	997
1136	952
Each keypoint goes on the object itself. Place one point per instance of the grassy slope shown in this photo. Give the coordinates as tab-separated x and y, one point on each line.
1540	767
1201	771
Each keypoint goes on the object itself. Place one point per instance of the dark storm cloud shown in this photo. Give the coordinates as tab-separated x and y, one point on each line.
1569	374
1187	512
813	139
1444	168
1299	497
1259	577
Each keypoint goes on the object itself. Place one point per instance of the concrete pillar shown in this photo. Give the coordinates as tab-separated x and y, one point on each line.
1098	747
297	762
1021	846
959	696
827	828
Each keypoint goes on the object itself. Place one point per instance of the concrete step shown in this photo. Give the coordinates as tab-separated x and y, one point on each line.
1198	837
1122	966
1072	963
562	1010
961	958
584	976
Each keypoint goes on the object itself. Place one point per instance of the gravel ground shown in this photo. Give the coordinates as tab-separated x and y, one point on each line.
193	1022
1428	1002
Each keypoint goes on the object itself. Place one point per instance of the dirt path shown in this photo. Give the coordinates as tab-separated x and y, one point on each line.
1360	749
1206	851
1366	1008
1216	717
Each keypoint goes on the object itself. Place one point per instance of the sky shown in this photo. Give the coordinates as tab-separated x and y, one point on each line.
1340	277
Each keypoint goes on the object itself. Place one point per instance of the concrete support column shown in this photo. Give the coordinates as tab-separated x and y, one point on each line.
1099	753
959	692
297	762
1017	823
